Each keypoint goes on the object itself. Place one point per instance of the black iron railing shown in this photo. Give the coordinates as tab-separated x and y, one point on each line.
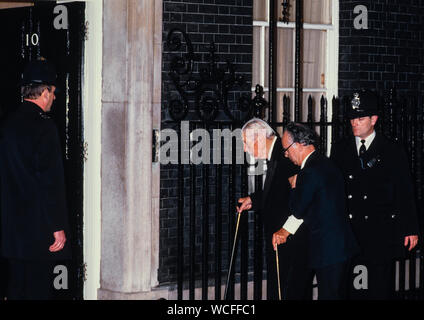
207	192
207	195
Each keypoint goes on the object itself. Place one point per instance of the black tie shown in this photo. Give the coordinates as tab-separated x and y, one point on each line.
362	149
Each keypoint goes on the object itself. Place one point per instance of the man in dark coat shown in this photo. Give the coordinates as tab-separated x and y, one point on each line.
33	207
380	200
317	199
272	202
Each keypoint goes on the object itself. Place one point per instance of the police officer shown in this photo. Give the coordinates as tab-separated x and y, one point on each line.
33	209
380	200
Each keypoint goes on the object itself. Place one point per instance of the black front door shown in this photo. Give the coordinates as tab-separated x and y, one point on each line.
41	32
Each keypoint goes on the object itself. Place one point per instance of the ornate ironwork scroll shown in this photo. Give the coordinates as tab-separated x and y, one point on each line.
180	66
286	14
208	89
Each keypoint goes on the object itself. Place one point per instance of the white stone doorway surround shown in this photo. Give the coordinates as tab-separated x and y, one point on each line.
122	103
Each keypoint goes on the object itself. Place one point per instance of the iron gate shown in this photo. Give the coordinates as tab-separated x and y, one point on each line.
207	192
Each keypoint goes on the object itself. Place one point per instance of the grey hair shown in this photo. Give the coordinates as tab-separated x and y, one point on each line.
302	134
259	124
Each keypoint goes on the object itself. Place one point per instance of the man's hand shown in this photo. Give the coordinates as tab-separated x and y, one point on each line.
59	242
292	181
246	204
279	237
413	240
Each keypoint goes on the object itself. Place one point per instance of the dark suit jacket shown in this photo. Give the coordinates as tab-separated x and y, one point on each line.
318	199
272	201
32	201
380	199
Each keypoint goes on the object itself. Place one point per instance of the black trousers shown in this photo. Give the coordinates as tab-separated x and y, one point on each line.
30	280
371	280
295	275
333	281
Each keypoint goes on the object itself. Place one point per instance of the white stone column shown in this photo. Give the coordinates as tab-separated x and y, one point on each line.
130	101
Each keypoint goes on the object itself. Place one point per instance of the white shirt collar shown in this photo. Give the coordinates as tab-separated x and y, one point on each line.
306	158
272	148
368	141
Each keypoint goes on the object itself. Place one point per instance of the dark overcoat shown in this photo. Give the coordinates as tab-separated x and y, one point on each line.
32	188
272	202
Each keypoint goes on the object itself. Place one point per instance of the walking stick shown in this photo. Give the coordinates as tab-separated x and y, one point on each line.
278	272
232	257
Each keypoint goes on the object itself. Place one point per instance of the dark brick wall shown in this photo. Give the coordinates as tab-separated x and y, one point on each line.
228	23
387	54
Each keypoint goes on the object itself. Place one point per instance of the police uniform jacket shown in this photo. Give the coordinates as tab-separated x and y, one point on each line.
379	196
32	202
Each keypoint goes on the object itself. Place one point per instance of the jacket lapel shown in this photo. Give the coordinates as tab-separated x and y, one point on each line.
352	157
271	166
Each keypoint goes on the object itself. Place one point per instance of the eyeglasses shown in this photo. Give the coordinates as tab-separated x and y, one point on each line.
286	149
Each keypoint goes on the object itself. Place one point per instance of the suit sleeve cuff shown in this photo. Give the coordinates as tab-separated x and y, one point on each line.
292	224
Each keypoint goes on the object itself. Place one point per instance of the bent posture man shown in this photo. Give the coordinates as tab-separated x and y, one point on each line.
380	200
33	207
317	199
262	142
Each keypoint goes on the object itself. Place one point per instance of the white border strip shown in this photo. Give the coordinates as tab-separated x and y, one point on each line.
92	106
332	65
